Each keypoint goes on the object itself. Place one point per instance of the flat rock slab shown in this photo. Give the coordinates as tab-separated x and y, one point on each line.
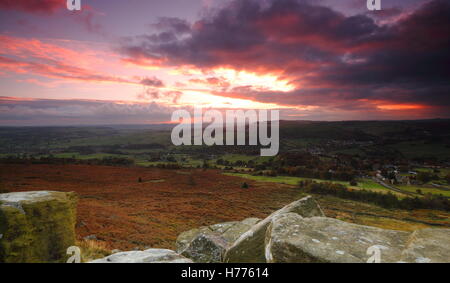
147	256
250	247
291	238
428	246
36	226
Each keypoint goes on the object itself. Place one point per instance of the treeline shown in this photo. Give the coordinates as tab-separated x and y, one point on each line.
110	161
166	166
304	165
388	200
319	173
113	149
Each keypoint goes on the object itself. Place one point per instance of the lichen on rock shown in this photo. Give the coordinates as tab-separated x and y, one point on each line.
292	238
209	243
250	246
36	226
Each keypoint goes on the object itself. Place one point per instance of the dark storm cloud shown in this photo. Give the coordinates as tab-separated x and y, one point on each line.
330	57
285	26
152	81
385	13
412	55
175	25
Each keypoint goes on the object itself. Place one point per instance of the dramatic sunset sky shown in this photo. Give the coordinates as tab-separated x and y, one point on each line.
135	61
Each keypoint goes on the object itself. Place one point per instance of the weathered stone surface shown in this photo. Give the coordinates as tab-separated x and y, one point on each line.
186	237
291	238
222	227
428	246
234	232
147	256
36	226
208	244
206	247
250	247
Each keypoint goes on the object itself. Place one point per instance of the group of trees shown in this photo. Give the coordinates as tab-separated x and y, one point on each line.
388	200
301	165
167	166
318	173
425	177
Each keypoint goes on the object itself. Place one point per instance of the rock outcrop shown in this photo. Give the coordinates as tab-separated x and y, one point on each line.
292	238
208	244
207	248
40	226
147	256
428	245
36	226
250	247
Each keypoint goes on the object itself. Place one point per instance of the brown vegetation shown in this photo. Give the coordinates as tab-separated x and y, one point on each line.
128	214
136	207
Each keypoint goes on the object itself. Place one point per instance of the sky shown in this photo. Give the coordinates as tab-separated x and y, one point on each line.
136	61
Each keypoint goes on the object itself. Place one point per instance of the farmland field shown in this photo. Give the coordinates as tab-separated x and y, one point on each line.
363	184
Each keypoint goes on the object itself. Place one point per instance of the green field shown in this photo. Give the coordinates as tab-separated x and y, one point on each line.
425	190
363	184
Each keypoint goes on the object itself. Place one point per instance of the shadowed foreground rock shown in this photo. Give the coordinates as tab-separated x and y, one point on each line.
147	256
250	247
36	226
208	244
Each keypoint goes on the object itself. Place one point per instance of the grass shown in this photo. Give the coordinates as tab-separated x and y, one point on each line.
425	190
279	179
389	223
442	171
363	184
91	250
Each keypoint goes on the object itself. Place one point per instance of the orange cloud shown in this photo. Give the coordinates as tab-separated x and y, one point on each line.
402	106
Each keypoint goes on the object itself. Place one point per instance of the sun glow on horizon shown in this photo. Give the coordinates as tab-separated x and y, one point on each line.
196	98
266	82
401	106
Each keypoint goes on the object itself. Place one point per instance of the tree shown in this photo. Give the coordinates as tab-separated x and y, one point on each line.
424	177
447	178
245	185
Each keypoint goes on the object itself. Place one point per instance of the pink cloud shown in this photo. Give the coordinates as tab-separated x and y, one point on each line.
33	6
